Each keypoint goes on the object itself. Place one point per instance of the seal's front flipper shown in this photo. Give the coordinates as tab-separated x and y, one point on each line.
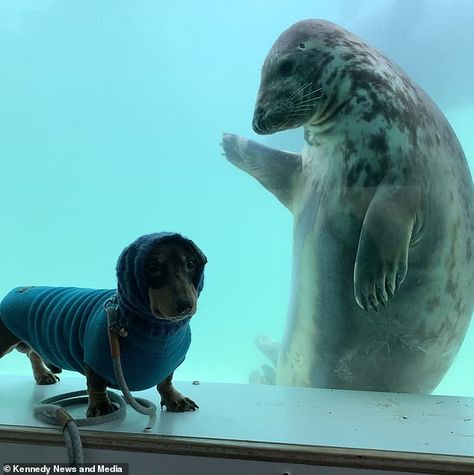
276	170
382	256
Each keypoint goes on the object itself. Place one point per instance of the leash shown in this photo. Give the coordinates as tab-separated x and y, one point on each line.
51	410
118	329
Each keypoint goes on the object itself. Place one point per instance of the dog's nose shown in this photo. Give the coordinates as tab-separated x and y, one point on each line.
183	307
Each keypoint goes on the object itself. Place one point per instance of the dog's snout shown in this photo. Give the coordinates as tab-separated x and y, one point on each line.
183	307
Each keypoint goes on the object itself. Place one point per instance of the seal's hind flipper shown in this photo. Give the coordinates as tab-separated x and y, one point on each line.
265	375
276	170
269	347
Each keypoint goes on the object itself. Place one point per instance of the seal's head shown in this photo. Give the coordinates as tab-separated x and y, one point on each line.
296	82
160	276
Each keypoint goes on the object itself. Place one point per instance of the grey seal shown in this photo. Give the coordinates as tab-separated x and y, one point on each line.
382	288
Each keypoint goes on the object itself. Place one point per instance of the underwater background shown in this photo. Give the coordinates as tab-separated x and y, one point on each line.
111	117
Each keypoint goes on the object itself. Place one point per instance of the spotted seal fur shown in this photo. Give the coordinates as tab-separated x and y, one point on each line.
382	286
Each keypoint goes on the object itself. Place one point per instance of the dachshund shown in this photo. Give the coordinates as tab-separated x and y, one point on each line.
159	279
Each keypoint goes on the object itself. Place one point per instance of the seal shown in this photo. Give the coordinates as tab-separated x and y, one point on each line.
382	288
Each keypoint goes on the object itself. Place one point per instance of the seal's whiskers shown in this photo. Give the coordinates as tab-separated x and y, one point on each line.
302	88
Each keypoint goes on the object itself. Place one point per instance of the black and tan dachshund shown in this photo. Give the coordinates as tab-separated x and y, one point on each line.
160	277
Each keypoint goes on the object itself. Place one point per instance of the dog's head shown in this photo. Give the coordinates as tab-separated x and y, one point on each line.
172	269
161	276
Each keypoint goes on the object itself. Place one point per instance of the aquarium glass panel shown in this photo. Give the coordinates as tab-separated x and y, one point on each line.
327	190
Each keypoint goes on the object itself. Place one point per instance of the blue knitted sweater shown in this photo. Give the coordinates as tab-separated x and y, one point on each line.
67	326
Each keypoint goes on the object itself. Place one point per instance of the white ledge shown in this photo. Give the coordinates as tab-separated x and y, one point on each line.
438	425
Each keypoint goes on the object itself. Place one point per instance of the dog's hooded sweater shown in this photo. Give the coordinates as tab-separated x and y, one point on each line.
67	326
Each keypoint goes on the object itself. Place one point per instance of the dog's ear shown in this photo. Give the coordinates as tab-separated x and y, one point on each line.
198	280
198	253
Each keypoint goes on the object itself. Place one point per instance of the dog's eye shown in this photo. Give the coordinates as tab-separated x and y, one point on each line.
153	267
190	264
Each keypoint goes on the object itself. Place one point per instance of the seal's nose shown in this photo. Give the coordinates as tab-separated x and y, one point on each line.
258	121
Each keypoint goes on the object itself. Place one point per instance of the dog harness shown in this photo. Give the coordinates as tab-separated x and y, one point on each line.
67	326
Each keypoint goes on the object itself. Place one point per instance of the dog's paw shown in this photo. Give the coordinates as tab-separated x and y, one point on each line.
46	378
53	368
101	409
176	402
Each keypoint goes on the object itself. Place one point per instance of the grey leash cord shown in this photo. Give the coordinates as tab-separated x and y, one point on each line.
51	410
117	329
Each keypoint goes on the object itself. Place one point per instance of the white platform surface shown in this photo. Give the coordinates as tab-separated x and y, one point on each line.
355	419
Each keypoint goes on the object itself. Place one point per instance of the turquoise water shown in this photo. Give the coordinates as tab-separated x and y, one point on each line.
111	119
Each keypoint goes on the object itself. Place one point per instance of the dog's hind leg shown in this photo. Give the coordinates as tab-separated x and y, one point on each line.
41	374
8	341
54	369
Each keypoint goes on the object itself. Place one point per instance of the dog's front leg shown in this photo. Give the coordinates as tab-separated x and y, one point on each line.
99	402
173	400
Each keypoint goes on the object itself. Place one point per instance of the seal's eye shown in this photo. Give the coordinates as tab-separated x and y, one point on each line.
301	46
190	265
286	67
